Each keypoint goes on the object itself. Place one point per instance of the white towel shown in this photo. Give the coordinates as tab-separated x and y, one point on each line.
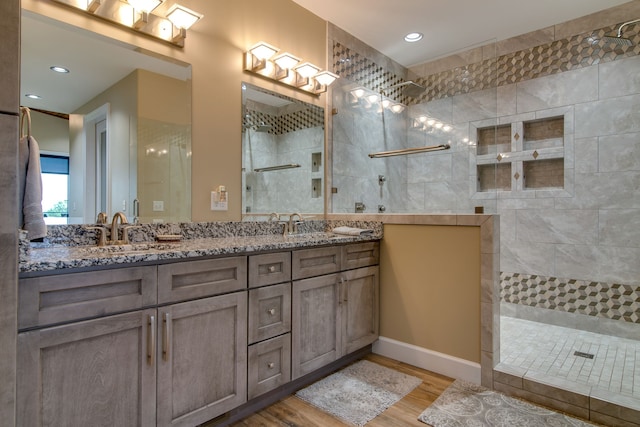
352	231
30	196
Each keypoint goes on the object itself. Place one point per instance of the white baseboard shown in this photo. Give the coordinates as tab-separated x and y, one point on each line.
430	360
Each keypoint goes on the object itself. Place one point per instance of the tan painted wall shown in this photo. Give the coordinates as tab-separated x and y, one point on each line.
52	133
214	47
430	288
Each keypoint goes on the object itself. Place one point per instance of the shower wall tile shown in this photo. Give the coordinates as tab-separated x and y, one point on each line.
570	87
475	106
601	263
525	41
619	78
619	227
597	299
619	152
606	189
566	226
538	257
416	197
428	167
586	155
508	226
608	117
527	201
507	100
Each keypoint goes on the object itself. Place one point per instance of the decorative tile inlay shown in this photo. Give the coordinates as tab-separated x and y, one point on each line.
572	53
516	136
517	175
607	300
535	154
499	157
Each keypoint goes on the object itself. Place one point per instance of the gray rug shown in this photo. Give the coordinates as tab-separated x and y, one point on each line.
359	392
469	405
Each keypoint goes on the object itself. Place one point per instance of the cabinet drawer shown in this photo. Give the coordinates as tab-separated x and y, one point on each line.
61	298
196	279
269	312
315	262
360	255
269	365
268	269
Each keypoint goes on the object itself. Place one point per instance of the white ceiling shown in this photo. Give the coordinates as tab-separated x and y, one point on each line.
448	25
95	64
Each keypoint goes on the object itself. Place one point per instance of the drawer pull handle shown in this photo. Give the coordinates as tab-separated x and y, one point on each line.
271	365
151	339
165	336
272	268
271	311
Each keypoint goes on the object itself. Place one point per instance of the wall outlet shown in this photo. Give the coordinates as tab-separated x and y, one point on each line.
158	205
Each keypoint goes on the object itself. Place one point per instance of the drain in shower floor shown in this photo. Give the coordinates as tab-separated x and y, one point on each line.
585	355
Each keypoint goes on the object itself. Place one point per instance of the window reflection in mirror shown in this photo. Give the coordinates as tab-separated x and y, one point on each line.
145	100
282	154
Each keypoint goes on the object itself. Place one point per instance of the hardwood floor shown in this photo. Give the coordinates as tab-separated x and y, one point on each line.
294	412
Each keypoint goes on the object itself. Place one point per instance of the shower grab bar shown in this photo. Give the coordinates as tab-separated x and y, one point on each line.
406	151
277	168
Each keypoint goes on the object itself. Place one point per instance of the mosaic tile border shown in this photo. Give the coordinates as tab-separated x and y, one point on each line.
605	300
284	123
579	51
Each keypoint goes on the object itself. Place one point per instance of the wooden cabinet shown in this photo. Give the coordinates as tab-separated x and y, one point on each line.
99	372
334	314
48	300
269	365
317	319
196	279
179	344
360	308
202	359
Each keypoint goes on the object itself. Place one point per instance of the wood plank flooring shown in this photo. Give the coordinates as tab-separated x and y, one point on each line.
294	412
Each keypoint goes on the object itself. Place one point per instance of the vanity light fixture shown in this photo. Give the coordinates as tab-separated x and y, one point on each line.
287	69
142	16
183	17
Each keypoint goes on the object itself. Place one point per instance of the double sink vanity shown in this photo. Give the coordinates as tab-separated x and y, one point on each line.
178	334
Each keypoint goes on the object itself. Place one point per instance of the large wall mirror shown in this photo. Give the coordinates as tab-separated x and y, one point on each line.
121	115
282	154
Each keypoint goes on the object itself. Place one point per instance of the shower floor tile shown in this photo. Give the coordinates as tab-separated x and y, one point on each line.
550	350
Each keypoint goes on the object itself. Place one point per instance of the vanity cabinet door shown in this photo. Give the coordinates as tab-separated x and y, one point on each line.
99	372
202	359
358	255
269	312
316	324
360	307
314	262
197	279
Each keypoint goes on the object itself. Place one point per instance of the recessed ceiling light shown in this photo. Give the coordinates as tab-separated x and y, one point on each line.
33	96
413	37
59	69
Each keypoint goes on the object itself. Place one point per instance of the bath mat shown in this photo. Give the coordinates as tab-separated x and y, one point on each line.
359	392
466	404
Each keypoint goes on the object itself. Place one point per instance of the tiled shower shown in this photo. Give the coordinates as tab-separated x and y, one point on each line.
547	136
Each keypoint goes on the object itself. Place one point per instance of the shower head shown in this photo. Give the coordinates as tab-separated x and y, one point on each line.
618	39
409	88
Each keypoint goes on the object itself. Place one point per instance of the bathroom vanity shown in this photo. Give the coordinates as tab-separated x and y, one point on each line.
183	336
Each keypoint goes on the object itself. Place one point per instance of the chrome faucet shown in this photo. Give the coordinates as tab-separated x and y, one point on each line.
293	226
115	240
274	215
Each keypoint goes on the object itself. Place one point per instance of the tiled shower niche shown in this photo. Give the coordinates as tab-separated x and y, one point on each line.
521	155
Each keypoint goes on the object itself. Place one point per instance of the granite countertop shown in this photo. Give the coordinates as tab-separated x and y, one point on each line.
48	259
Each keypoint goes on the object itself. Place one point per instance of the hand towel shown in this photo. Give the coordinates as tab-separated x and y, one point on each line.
30	196
351	231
